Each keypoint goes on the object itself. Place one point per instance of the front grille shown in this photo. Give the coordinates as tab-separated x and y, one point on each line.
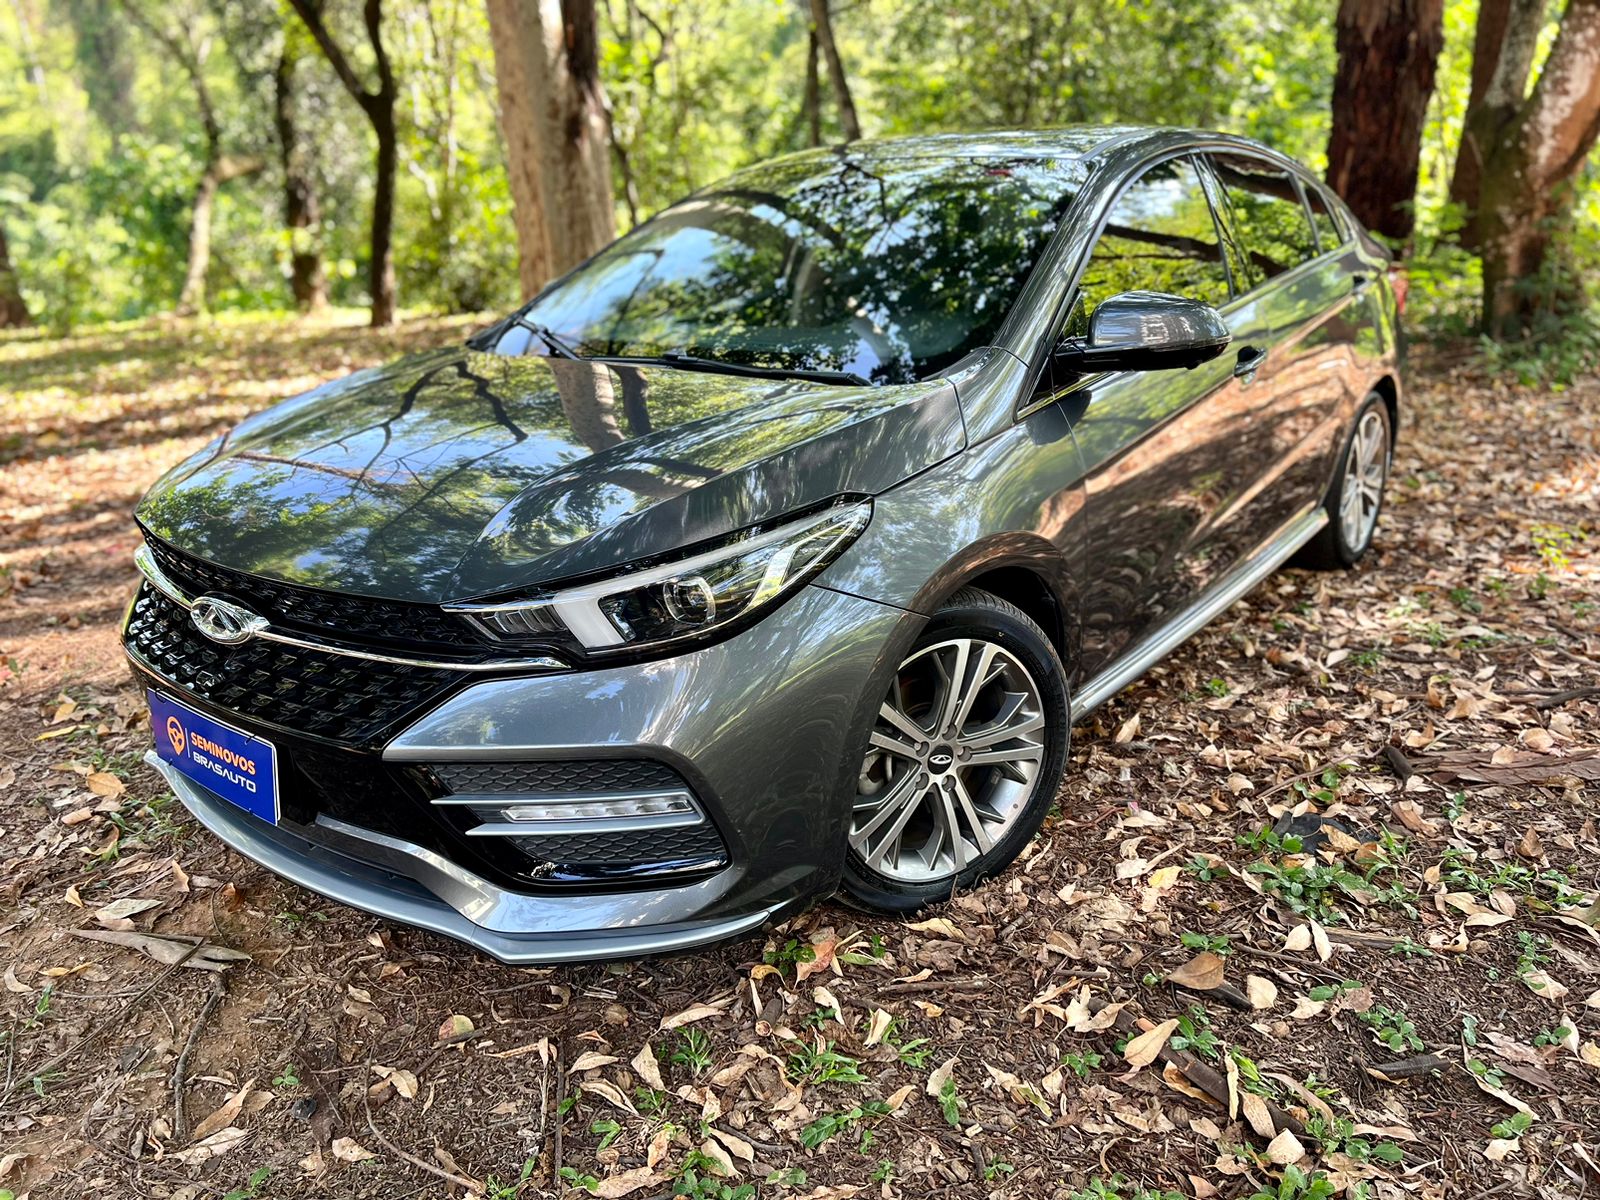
575	775
337	614
350	701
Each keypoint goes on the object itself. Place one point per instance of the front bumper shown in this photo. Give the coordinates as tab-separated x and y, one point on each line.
761	725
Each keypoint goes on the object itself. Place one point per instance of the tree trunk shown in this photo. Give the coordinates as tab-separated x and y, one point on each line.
822	24
192	299
1503	46
554	119
1388	50
13	310
379	107
1526	167
380	270
812	105
302	208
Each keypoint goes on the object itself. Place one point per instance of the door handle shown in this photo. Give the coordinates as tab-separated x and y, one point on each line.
1248	363
1360	282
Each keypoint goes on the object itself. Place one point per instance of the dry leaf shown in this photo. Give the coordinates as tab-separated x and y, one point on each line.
695	1012
627	1183
878	1027
1142	1050
589	1060
1257	1114
1285	1149
349	1150
106	785
1202	973
215	1146
224	1116
455	1027
646	1066
1262	992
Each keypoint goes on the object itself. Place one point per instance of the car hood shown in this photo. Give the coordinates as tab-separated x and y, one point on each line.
461	473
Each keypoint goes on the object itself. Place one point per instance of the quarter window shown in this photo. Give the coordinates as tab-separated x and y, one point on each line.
1160	237
1268	215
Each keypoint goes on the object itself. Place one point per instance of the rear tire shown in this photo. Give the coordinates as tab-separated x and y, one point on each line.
1355	500
983	759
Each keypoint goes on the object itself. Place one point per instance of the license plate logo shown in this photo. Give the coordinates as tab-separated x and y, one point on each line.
239	767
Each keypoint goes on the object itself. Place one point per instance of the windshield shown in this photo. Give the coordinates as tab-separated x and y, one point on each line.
889	267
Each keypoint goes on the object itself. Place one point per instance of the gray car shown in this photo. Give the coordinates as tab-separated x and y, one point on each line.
776	548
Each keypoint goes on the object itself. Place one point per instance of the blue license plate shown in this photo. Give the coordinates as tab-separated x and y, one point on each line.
239	767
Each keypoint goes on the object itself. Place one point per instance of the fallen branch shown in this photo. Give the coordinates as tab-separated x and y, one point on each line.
180	1123
1408	1068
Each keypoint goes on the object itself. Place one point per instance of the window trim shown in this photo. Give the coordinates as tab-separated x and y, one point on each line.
1295	175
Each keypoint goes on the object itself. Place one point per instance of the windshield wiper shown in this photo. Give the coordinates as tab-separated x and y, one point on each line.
677	358
490	337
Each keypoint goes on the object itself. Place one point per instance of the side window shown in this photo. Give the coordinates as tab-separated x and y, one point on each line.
1160	237
1268	215
1330	233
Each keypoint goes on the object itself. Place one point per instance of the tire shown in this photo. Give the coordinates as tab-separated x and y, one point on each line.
1341	544
1021	709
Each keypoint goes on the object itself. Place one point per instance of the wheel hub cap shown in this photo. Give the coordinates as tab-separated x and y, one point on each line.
953	761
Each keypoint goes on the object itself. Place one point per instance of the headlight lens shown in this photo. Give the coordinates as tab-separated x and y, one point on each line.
694	595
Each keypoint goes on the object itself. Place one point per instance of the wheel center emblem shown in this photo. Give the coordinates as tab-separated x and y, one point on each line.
225	622
941	759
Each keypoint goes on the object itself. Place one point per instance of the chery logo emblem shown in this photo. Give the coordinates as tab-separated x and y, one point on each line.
225	622
940	760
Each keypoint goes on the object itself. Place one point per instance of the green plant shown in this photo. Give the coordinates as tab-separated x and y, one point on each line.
648	1101
788	1177
1216	943
1532	952
1368	658
831	1125
1337	1136
1327	991
1200	867
1112	1189
1455	807
609	1130
1324	788
693	1051
808	1064
1392	1027
790	954
288	1077
1310	887
996	1168
883	1172
1406	947
1513	1126
1217	687
950	1103
914	1053
1194	1033
1265	839
251	1186
573	1177
699	1179
1493	1076
1082	1062
493	1189
1297	1185
1551	1037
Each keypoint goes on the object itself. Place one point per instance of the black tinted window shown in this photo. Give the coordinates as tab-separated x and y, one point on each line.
1329	231
1160	237
888	265
1268	216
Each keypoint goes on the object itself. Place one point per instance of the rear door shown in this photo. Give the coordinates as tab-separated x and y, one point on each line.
1161	461
1290	346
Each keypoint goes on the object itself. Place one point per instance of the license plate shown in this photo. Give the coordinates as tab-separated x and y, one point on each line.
239	767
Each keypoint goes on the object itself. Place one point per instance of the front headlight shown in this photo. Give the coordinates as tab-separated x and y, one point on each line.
696	595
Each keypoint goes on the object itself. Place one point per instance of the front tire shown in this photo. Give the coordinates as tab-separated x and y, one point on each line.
964	757
1355	499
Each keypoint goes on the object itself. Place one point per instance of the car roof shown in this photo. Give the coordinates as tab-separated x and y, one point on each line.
1065	141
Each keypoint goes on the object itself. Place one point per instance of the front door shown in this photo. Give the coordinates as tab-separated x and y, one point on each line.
1160	464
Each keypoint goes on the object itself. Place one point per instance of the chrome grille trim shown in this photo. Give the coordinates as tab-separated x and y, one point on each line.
158	579
482	804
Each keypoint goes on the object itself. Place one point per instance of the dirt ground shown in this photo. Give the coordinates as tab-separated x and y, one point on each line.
1164	997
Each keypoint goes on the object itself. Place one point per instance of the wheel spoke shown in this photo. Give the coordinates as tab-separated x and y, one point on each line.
981	675
954	685
945	815
979	834
883	741
1029	752
900	721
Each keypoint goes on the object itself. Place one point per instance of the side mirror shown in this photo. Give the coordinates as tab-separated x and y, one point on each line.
1145	331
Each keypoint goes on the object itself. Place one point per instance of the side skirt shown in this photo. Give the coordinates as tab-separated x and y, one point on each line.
1250	571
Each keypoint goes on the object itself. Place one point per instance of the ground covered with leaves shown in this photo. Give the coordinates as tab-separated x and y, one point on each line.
1316	912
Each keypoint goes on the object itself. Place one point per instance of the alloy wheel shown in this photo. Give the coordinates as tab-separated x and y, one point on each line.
1365	468
953	761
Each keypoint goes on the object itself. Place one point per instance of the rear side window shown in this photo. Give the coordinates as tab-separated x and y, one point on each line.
1268	216
1159	237
1329	231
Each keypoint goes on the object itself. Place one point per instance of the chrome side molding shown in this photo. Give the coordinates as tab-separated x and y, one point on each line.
159	580
1250	570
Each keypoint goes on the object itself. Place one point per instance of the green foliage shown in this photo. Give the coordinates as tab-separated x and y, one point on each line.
1194	1033
831	1125
1297	1185
1393	1028
808	1064
950	1103
1514	1126
1081	1063
1116	1188
1216	943
693	1051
